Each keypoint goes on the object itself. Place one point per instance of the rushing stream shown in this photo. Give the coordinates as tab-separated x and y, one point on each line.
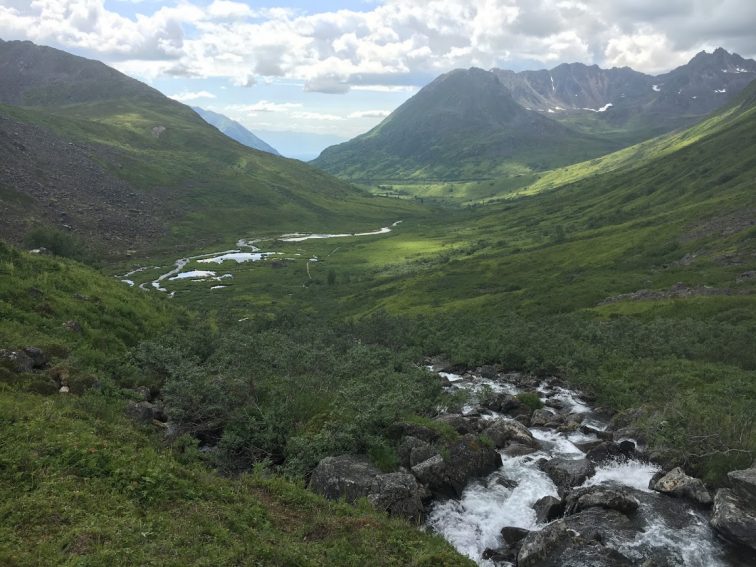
670	528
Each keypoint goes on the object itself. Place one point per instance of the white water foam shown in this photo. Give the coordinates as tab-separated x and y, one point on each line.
631	473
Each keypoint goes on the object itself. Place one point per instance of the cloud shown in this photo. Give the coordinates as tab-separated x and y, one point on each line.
190	96
264	106
370	114
316	116
388	43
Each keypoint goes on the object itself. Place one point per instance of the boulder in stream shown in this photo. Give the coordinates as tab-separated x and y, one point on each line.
548	509
543	417
734	514
600	497
734	518
577	541
398	494
505	431
465	459
677	483
605	451
567	473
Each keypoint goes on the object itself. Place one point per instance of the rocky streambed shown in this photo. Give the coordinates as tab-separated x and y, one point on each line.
510	483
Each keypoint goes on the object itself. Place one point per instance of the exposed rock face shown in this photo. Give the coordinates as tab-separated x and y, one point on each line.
600	497
16	360
399	430
503	432
37	355
677	483
604	452
542	417
576	541
468	458
351	477
348	477
548	509
567	473
405	448
744	484
734	518
513	535
398	494
734	514
459	423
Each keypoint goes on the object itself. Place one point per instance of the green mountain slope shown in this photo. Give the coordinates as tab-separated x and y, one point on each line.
632	275
81	483
100	150
464	125
234	130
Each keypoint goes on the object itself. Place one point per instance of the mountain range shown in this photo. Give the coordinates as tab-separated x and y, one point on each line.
478	124
91	152
234	130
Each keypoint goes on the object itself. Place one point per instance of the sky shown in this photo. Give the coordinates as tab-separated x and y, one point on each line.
338	67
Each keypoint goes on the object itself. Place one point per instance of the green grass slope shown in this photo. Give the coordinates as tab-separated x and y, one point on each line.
80	483
632	275
116	149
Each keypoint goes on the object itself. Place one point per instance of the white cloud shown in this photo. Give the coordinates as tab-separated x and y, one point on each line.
190	96
316	116
332	52
370	114
264	106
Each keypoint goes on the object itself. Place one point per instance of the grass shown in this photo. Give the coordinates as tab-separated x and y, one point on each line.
80	485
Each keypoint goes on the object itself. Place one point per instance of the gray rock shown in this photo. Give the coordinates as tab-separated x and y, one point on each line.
399	430
517	450
404	450
513	535
37	355
548	509
420	454
459	423
470	458
606	451
16	360
600	497
576	541
488	371
345	477
432	473
567	473
145	412
744	484
505	431
677	483
399	495
734	518
542	417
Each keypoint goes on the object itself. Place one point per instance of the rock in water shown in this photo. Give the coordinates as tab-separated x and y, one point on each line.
734	514
567	473
744	484
547	509
504	431
733	518
600	497
677	483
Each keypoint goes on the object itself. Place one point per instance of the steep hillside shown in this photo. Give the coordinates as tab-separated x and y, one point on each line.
234	130
464	125
84	478
628	105
116	163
